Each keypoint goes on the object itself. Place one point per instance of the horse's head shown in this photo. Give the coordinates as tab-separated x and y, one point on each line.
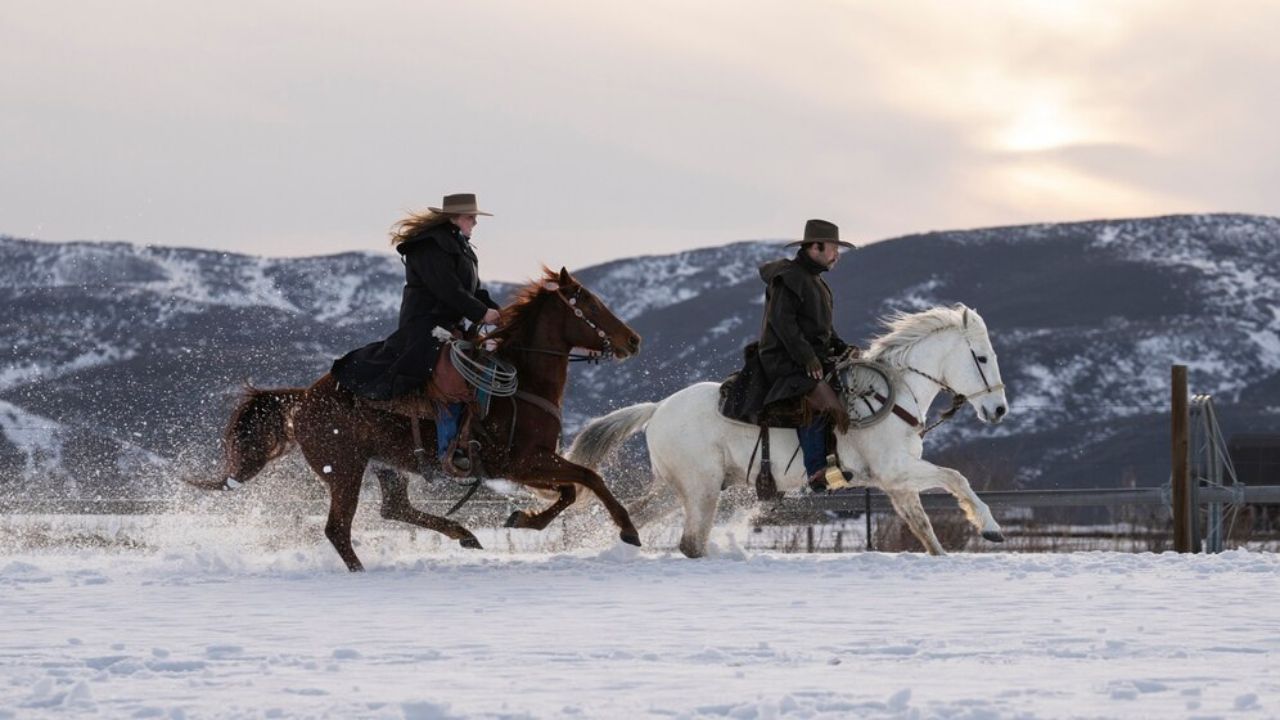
971	369
588	323
948	346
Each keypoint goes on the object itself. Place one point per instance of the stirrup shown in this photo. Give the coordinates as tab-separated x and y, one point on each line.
456	463
837	478
462	464
830	479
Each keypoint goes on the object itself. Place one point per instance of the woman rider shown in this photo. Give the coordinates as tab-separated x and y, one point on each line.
442	288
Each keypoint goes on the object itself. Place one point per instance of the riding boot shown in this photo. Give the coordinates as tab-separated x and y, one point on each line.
837	478
830	478
822	468
455	460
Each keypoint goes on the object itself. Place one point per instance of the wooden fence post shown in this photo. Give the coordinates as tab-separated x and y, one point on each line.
1181	475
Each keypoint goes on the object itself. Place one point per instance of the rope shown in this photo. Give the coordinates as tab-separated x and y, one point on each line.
498	380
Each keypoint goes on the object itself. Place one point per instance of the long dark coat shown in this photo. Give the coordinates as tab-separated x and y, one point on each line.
797	329
797	326
442	286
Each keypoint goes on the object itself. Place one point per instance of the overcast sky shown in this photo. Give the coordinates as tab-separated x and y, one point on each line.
596	129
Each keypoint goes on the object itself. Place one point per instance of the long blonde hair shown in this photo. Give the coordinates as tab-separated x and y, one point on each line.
416	224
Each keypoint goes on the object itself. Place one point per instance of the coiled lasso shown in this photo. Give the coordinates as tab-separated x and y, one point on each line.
498	379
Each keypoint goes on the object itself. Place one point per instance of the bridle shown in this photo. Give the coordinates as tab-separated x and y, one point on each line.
594	356
988	388
958	399
572	302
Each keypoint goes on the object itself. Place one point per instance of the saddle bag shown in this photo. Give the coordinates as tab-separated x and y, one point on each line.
742	394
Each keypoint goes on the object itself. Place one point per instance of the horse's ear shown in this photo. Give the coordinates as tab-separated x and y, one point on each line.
565	279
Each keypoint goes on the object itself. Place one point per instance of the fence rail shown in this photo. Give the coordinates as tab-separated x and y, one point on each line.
1092	497
799	510
815	505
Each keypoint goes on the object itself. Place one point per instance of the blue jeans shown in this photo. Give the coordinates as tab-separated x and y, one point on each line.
446	425
813	443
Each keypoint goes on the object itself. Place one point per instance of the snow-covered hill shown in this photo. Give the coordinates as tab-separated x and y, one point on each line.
1086	317
118	357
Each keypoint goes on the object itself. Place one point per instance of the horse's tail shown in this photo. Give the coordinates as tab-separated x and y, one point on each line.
259	431
599	438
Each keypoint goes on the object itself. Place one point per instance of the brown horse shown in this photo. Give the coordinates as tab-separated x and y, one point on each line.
339	436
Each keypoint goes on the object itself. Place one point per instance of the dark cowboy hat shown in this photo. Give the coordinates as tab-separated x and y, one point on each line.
459	204
821	231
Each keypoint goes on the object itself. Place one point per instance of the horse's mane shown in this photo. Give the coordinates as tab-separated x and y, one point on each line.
518	315
904	330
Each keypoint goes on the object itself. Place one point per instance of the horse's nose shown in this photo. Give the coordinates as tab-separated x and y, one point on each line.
633	344
1000	411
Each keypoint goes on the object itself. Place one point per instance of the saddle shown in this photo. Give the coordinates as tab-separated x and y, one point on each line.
742	397
446	386
741	400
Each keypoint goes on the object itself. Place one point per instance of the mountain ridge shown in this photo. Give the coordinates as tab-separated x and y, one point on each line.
136	351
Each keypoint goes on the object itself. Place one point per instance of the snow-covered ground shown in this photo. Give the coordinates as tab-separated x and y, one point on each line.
183	621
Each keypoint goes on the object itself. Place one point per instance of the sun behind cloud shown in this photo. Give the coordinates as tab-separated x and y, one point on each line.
1041	125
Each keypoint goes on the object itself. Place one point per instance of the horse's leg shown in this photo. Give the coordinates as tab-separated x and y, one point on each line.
540	520
553	469
975	510
687	477
396	506
344	496
342	469
907	503
699	516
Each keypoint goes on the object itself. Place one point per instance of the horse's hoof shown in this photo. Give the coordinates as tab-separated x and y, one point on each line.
470	542
514	520
994	536
631	537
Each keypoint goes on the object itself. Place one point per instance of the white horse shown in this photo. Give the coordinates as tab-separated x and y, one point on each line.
698	452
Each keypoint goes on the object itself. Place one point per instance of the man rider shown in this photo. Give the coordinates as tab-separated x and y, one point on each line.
798	344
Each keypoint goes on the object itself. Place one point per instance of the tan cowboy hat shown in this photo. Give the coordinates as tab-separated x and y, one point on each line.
821	231
459	204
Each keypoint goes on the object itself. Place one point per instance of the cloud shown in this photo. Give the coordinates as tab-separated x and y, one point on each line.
597	130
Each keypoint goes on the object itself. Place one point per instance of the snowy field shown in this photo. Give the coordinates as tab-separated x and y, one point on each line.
233	621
